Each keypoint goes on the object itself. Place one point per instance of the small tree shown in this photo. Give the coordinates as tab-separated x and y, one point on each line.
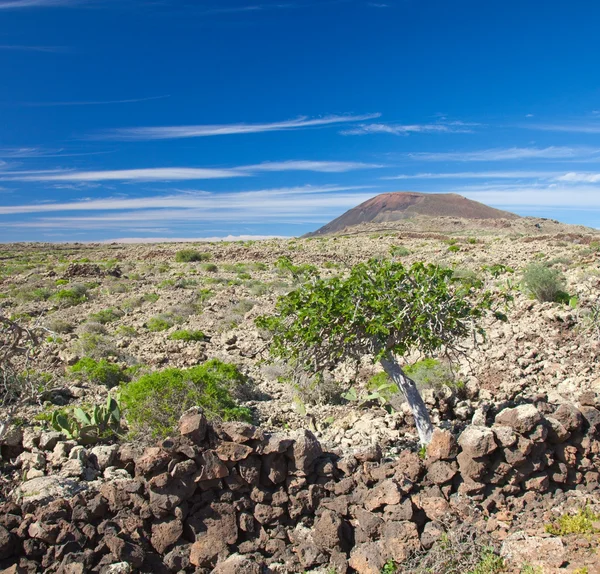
380	309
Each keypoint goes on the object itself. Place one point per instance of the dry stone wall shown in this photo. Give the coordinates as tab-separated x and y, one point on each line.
229	498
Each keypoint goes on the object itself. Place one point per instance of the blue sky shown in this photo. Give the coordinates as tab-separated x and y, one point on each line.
190	119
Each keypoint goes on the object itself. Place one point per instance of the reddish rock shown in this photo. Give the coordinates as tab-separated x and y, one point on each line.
124	551
237	564
153	460
470	467
8	545
165	534
441	472
371	453
233	452
520	548
305	451
267	514
477	441
238	432
192	425
206	549
250	469
328	531
274	468
442	446
399	539
367	558
210	467
569	416
521	419
387	492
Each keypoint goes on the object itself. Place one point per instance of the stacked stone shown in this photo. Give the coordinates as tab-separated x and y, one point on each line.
230	498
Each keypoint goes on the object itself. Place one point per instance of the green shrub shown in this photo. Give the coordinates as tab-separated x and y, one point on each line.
544	283
210	268
583	522
95	345
58	325
431	373
155	402
106	316
151	297
69	297
189	255
399	251
100	372
453	248
160	323
185	335
126	331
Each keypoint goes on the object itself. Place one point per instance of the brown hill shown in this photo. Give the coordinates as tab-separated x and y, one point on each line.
396	206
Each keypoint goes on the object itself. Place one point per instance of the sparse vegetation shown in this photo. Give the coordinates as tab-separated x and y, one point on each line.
582	522
154	402
544	283
99	372
185	335
190	255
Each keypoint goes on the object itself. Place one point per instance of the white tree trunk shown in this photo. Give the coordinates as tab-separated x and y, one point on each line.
409	389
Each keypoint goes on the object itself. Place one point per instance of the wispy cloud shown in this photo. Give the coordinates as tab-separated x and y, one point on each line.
18	4
478	175
581	177
400	129
202	205
194	131
591	127
514	153
20	48
319	166
184	173
88	102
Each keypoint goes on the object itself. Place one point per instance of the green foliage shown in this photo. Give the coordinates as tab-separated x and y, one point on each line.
159	323
151	297
106	316
298	272
528	569
389	567
61	282
58	325
498	269
99	423
381	307
210	268
154	402
544	283
379	388
490	563
185	335
95	346
580	523
189	255
453	248
430	373
126	331
399	251
100	372
69	297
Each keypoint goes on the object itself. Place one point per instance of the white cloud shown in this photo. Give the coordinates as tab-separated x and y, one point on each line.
149	174
581	128
582	177
262	202
182	173
513	153
398	129
193	131
478	175
322	166
17	4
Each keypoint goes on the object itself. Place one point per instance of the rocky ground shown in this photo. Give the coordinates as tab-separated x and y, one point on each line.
546	353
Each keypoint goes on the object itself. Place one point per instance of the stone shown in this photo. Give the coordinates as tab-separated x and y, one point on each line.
184	468
591	416
521	548
165	534
441	471
274	468
49	439
431	534
116	568
153	460
192	425
505	435
8	545
179	558
125	551
210	467
238	431
328	531
442	446
522	419
44	489
305	451
237	564
371	453
249	469
267	514
233	452
386	492
557	432
399	539
206	549
470	467
477	441
104	456
369	523
367	558
569	416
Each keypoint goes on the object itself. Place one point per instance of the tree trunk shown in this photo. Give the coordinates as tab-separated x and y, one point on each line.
409	389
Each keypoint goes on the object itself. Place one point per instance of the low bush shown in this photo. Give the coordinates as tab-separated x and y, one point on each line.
185	335
544	283
159	323
210	268
96	346
154	403
57	325
100	372
92	327
399	251
583	522
69	297
106	316
189	255
432	374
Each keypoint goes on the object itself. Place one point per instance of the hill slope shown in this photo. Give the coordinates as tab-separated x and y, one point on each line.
396	206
